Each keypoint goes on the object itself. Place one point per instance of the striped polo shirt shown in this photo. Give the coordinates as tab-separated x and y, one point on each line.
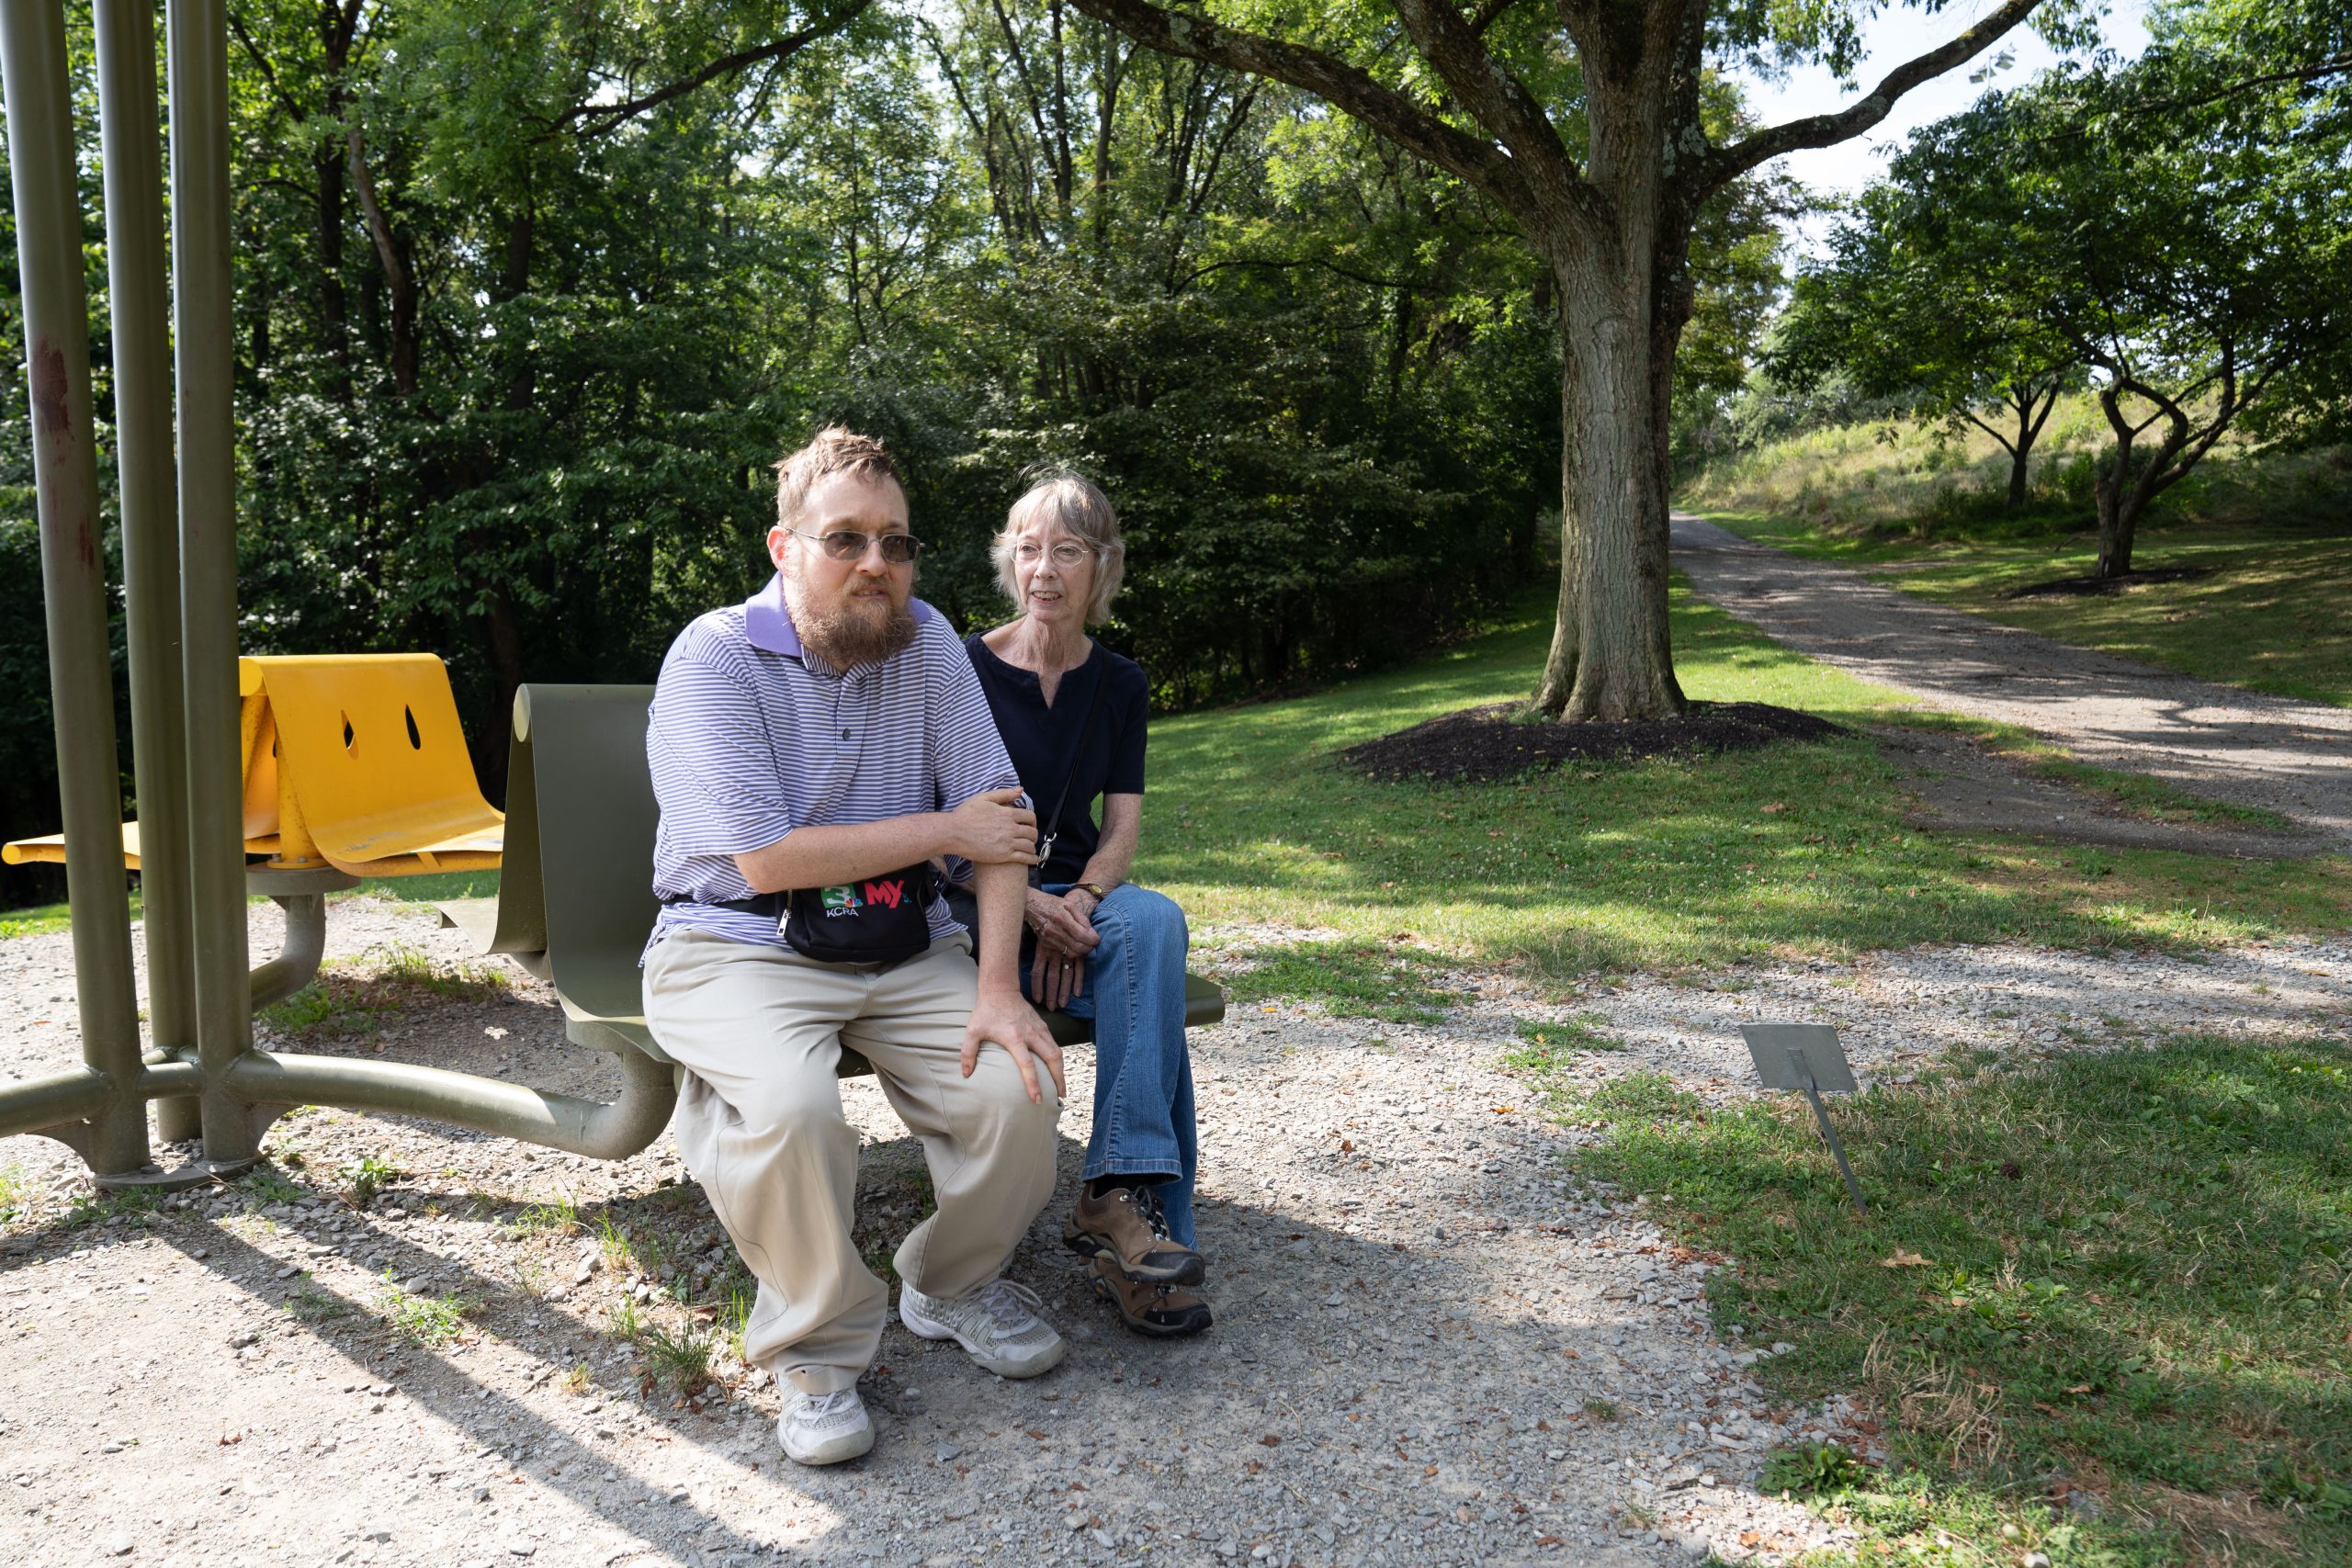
751	736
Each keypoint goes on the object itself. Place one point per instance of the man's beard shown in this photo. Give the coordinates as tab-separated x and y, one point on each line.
847	634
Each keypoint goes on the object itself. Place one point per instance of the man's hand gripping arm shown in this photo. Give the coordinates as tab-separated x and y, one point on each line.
1002	1014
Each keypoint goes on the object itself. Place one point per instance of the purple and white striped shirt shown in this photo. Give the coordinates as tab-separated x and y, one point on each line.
751	737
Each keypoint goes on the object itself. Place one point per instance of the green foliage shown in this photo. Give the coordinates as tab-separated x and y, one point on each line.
1811	1469
2123	1271
2175	226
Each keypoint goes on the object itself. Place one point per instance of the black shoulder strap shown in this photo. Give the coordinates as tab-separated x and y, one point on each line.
1078	754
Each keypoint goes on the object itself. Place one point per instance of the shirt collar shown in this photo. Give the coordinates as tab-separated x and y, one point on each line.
768	624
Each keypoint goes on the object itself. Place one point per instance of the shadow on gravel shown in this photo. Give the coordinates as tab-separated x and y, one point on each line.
1313	1391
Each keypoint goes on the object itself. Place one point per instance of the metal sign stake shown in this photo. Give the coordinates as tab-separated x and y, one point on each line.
1806	1058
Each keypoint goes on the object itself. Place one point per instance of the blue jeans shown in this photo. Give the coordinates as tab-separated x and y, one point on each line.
1134	991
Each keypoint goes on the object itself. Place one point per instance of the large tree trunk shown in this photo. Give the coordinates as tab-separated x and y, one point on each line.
1612	648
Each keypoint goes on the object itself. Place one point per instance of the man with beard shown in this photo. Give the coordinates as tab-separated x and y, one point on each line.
828	736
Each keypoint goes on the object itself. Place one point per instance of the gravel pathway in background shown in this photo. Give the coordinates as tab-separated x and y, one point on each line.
2223	742
1430	1349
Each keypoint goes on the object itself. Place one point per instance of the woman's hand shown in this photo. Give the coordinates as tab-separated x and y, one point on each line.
1065	936
1057	924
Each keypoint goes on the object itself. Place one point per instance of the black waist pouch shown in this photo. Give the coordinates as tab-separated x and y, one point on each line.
876	920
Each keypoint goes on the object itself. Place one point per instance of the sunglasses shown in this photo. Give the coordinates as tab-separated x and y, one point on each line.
848	544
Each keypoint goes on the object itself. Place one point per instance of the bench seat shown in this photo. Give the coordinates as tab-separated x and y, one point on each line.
575	896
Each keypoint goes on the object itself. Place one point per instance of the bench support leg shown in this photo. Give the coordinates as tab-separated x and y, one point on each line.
296	963
272	1085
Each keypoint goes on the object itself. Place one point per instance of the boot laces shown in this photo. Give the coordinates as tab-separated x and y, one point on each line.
1148	1204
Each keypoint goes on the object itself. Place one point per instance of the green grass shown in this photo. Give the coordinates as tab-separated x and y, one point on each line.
40	919
37	920
1350	980
436	888
2270	615
1797	850
2122	1275
1548	1045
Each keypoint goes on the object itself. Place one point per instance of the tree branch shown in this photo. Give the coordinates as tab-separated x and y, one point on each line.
1728	163
261	63
1346	88
1496	97
596	119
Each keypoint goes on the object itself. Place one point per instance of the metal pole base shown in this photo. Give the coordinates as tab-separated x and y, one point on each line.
194	1173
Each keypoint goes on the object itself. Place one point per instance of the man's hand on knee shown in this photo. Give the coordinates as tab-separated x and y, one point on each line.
1012	1022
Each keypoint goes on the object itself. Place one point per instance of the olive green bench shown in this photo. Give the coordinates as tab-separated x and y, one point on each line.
575	896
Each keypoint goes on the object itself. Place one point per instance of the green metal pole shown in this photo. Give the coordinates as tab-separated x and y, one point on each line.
151	554
80	683
197	33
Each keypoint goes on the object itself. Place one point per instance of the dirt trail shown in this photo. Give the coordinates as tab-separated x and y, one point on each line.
2243	747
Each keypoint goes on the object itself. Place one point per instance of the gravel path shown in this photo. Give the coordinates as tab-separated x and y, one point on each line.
2220	741
1430	1347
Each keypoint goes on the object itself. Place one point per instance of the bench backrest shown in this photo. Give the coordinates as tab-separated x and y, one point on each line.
578	880
371	746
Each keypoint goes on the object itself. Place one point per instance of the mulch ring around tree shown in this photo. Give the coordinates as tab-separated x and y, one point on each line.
2076	587
1481	744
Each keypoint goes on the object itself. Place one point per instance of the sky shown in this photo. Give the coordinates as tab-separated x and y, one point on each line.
1890	39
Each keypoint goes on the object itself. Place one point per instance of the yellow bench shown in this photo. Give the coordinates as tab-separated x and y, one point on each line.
353	761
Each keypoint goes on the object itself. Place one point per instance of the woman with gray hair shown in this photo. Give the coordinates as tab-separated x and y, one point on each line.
1096	945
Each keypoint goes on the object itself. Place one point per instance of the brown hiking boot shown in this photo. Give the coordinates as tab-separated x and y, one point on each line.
1163	1312
1125	1224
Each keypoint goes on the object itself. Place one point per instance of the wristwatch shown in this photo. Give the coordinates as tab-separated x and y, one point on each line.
1096	888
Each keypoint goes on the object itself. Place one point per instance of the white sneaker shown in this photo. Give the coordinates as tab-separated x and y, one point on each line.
823	1428
997	1324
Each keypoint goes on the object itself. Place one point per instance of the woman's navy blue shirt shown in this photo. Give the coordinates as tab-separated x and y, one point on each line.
1048	747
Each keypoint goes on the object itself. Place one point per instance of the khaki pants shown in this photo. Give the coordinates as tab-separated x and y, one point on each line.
760	1030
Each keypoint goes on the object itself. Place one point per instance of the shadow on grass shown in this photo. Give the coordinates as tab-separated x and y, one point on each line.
2116	1283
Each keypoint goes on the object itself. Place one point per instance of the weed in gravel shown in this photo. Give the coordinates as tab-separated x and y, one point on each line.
734	1314
1603	1409
681	1360
271	1187
1350	979
559	1218
331	1005
314	1305
15	1193
577	1379
125	1203
426	1321
367	1176
2123	1278
465	980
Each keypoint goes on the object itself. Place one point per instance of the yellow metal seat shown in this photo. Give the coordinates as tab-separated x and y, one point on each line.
354	761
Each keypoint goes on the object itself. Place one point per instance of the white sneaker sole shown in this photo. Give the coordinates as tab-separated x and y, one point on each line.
832	1451
923	1327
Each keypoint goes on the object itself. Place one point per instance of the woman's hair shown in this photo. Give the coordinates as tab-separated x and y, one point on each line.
1086	511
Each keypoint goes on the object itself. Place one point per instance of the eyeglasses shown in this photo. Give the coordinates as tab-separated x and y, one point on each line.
849	545
1065	554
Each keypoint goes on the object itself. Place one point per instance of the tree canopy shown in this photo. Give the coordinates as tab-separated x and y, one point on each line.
2176	227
